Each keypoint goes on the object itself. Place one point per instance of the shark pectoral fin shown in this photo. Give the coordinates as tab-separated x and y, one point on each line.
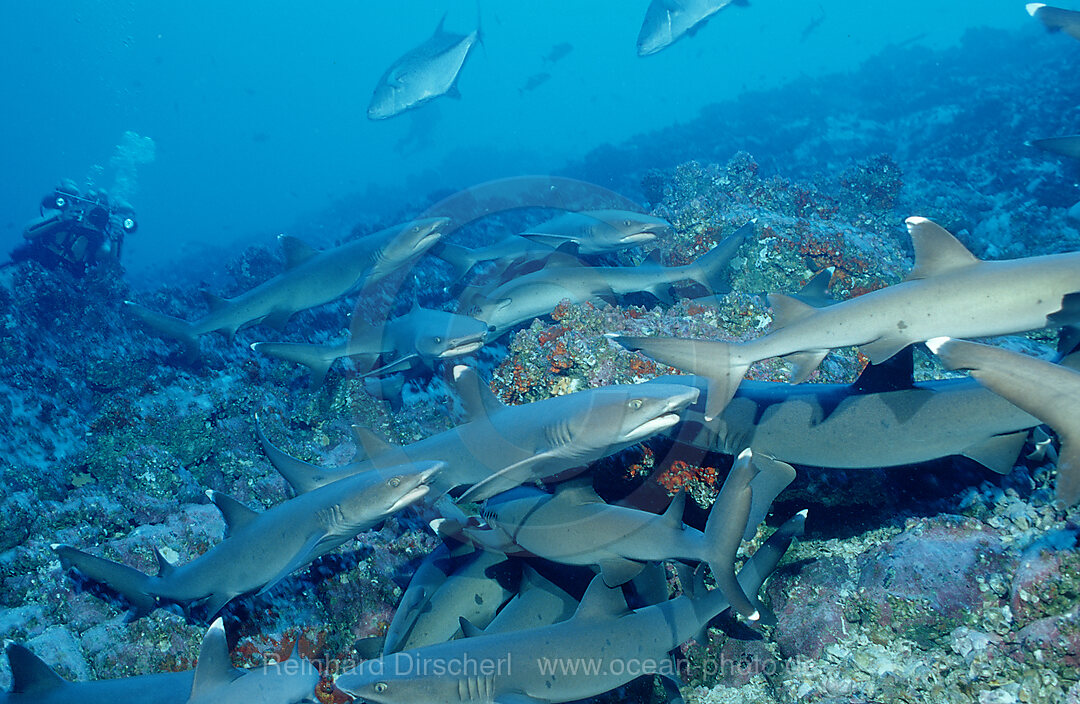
1068	342
773	477
468	628
370	647
489	539
303	556
999	452
214	668
517	698
618	570
883	348
1067	488
30	674
552	241
277	319
803	364
937	251
1044	446
577	491
1069	314
601	602
506	478
236	514
401	364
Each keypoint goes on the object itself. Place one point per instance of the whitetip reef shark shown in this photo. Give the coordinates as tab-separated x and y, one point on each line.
667	21
883	419
261	549
522	667
501	446
213	681
1050	392
1068	145
538	293
423	73
311	278
599	231
574	526
416	339
948	292
1056	19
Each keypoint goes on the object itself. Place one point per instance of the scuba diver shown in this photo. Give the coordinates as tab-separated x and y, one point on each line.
76	231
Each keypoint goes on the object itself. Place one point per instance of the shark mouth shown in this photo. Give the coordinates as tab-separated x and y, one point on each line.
410	497
653	426
461	348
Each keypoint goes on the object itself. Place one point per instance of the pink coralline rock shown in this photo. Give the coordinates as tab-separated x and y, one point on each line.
1055	639
1045	583
933	568
809	613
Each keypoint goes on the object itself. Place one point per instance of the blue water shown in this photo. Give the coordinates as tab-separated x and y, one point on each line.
257	110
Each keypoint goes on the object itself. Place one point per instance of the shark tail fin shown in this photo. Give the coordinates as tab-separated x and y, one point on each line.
29	673
764	561
460	259
711	269
724	531
317	358
131	583
299	474
719	361
180	330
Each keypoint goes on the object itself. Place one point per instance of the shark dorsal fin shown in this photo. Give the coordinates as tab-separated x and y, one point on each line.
601	602
442	21
894	374
673	515
816	290
295	250
214	669
236	514
787	310
165	567
468	628
213	302
29	673
373	444
476	396
655	258
937	251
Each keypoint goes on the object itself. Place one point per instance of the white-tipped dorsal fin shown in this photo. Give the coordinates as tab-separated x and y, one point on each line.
937	251
213	301
29	673
601	601
476	397
295	250
468	628
1033	7
935	343
214	668
673	515
165	566
236	514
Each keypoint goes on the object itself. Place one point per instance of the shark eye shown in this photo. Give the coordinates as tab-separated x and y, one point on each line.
634	404
392	482
626	222
380	687
438	340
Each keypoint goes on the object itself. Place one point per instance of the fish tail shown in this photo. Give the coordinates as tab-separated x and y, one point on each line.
460	259
314	357
711	269
166	325
720	362
724	531
131	583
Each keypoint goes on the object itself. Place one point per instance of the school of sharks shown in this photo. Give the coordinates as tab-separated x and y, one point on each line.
534	563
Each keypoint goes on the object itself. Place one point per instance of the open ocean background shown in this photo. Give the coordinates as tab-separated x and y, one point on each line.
257	110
